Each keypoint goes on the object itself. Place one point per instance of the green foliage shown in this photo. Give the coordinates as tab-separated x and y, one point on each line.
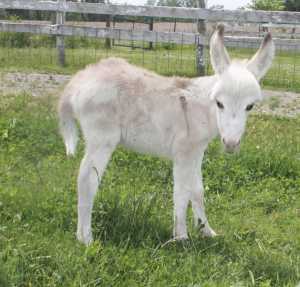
17	40
50	16
177	3
151	2
292	5
269	5
27	40
252	200
14	18
275	5
29	14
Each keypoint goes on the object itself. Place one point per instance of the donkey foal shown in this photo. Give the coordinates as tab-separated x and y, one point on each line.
117	103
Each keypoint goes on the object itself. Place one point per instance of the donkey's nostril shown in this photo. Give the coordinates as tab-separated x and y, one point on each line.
230	144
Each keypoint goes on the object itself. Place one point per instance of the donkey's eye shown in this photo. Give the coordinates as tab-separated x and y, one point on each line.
249	107
220	105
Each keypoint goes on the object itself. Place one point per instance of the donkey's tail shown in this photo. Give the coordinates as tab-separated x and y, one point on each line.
67	123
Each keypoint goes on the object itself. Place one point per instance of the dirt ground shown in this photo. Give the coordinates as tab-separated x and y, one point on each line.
276	102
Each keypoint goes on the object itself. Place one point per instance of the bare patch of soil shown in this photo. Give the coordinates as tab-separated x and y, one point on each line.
35	84
280	103
275	103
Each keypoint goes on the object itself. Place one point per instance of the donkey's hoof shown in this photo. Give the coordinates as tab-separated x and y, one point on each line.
85	239
181	237
208	232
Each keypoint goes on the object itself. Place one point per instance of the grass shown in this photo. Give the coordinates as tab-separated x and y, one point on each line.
252	198
166	59
252	201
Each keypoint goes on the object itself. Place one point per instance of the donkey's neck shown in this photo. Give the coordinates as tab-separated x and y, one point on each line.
202	86
201	89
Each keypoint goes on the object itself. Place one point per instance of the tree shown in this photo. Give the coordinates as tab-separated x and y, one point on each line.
171	3
217	7
178	3
92	1
268	5
292	5
151	2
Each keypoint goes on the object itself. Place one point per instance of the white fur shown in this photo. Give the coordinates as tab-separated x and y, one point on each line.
117	103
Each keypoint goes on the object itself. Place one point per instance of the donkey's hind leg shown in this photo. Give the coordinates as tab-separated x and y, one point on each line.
91	170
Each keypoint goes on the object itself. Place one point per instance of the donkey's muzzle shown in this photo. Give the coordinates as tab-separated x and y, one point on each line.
231	146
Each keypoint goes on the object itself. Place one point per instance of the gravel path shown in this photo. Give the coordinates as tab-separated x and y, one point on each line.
276	102
33	83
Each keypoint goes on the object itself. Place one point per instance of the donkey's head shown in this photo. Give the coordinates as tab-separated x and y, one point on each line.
237	87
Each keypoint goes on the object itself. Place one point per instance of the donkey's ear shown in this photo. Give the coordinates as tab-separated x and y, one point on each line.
262	60
218	55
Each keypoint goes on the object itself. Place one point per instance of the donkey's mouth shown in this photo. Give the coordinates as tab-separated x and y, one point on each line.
230	149
231	146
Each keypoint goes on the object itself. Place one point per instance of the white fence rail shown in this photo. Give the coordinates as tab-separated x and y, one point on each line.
240	16
96	32
133	35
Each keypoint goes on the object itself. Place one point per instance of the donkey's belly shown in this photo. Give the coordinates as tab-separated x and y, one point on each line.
148	139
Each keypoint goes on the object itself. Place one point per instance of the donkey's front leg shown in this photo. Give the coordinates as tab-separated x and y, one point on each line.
184	183
197	199
188	187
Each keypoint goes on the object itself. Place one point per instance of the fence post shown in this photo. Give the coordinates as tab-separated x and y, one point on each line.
200	57
108	25
151	24
60	42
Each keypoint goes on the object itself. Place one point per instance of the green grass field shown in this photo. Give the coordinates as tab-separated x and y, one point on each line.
252	201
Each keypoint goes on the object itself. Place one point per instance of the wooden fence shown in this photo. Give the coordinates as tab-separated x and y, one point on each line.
241	16
60	29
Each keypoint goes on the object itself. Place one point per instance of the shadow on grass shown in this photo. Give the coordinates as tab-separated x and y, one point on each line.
121	225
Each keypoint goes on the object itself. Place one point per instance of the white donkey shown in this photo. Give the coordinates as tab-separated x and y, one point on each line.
118	103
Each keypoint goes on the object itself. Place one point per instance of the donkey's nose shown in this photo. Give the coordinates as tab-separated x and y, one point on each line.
231	145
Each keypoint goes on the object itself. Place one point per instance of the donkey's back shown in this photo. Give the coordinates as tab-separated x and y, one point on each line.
134	107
